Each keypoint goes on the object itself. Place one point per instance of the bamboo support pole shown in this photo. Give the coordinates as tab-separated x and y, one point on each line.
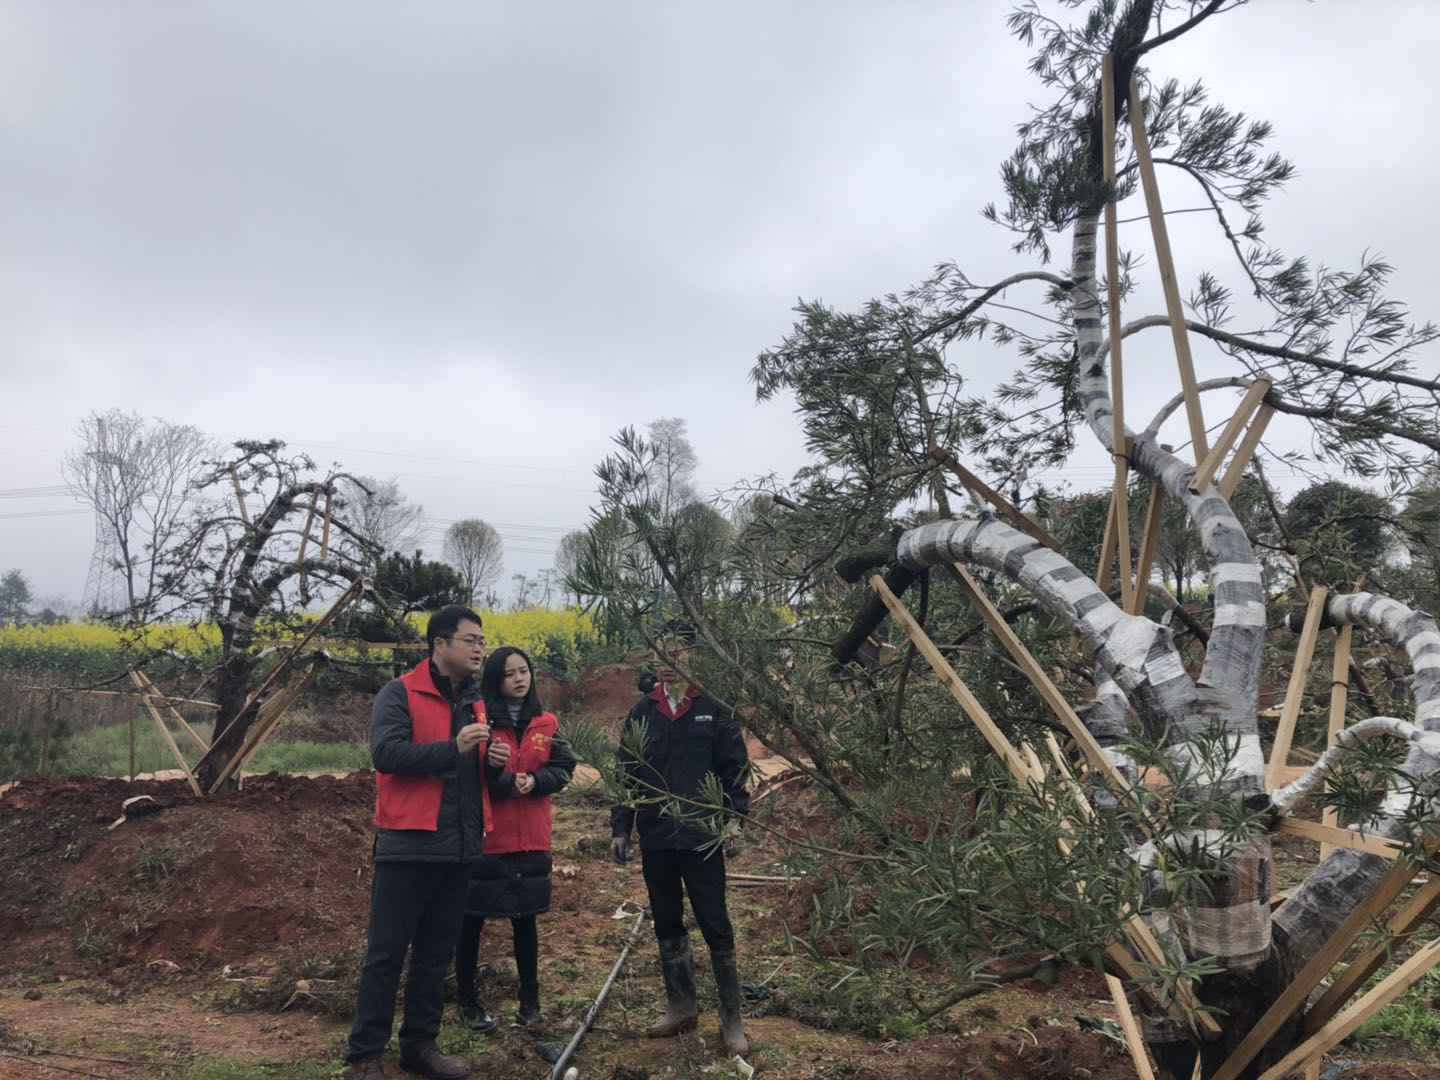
1241	461
239	496
1336	837
1339	699
325	535
1248	404
1395	881
1044	685
165	734
304	539
267	720
558	1071
1148	545
1166	262
1295	692
161	699
1358	972
1348	1022
1117	379
1106	567
1007	509
45	733
1131	1029
977	713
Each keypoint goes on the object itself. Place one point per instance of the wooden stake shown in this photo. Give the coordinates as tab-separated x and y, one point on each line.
1359	970
304	539
1248	404
1295	693
1395	881
1086	810
977	713
325	536
1346	1024
1128	1025
132	746
1148	545
1042	682
45	734
1339	699
1117	379
1241	461
1166	263
1106	566
1342	838
161	699
165	734
239	496
1008	510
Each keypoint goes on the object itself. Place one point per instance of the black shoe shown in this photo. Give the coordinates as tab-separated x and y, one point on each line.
529	1014
477	1019
426	1060
371	1068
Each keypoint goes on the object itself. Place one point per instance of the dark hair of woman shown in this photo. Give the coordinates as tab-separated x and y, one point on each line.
493	676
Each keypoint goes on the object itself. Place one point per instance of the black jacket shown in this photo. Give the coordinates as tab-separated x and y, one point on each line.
678	755
459	836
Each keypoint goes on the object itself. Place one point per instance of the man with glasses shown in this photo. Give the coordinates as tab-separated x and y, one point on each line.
427	729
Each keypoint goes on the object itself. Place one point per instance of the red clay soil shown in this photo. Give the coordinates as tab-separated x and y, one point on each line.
281	863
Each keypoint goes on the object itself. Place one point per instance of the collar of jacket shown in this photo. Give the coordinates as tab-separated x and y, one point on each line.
428	680
682	706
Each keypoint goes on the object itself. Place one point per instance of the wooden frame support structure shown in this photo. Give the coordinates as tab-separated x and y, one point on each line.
1348	1022
165	734
1295	692
1248	404
1150	541
1121	497
239	496
1241	461
1396	880
1008	510
144	682
266	721
1131	1029
1339	699
1179	333
1028	769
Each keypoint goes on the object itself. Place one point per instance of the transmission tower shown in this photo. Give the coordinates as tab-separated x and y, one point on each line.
104	586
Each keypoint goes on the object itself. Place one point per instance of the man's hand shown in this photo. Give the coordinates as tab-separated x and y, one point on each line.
471	736
620	849
524	782
499	753
731	840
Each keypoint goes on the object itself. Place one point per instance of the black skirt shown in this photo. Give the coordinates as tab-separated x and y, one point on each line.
507	886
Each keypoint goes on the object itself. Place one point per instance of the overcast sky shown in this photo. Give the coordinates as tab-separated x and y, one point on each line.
464	243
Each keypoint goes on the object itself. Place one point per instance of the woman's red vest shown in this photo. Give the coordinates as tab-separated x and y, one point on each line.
522	822
410	800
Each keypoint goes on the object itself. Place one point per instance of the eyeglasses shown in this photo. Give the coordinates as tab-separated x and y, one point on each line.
471	640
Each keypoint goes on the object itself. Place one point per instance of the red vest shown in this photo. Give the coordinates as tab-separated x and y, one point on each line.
522	822
412	801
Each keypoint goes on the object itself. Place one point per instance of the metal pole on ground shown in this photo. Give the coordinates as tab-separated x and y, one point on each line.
558	1071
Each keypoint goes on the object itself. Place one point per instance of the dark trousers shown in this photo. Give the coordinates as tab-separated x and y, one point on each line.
670	876
414	907
525	935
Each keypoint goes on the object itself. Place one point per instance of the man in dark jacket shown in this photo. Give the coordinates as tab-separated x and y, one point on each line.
427	730
680	737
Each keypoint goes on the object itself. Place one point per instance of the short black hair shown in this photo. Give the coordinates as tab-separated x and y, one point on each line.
446	621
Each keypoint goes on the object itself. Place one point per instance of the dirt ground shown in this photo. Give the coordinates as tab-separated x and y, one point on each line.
219	939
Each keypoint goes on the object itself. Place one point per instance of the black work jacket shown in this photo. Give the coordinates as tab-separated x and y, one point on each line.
680	751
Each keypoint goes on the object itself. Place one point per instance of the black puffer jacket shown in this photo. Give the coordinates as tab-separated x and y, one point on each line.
680	751
459	834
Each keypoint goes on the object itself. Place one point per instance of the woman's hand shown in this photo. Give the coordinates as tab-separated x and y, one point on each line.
524	783
499	754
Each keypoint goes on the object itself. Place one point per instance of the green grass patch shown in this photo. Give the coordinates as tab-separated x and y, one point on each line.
105	751
1412	1019
232	1069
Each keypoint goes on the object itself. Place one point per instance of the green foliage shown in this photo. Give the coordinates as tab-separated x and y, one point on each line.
1340	531
14	597
105	751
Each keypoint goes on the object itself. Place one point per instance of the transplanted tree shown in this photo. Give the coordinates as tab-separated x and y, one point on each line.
475	549
244	561
971	869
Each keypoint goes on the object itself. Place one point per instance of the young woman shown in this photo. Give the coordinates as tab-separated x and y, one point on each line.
513	879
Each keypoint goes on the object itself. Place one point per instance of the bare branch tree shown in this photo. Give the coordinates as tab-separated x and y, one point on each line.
476	550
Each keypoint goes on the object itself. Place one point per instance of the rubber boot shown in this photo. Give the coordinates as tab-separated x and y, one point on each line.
727	986
677	966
